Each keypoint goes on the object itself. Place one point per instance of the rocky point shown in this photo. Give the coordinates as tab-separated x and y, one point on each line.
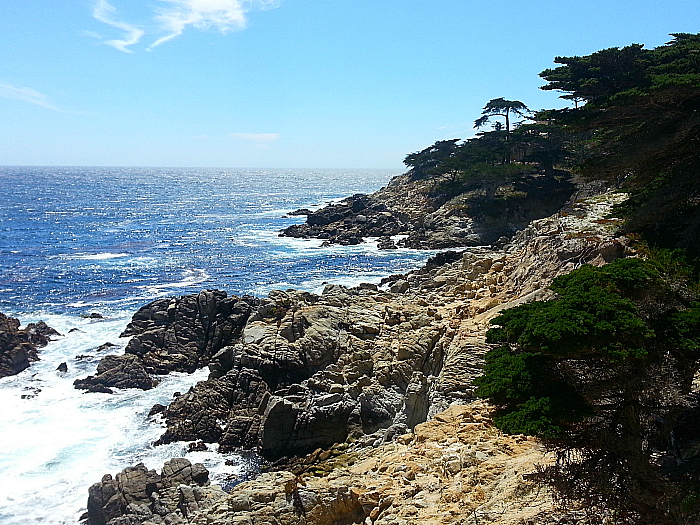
363	396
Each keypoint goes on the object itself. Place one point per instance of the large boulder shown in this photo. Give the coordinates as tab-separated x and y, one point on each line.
117	371
139	495
182	334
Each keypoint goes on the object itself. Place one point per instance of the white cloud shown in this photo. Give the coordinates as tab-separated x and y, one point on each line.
174	17
258	138
104	12
26	95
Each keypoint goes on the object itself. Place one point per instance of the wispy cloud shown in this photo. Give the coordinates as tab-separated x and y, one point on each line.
177	15
104	12
258	138
26	95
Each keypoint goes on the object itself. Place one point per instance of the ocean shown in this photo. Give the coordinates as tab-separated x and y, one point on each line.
80	241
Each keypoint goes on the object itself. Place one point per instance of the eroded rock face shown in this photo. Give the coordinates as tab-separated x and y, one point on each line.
174	334
309	371
431	220
138	495
19	347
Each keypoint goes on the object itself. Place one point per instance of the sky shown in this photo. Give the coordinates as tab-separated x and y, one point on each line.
285	83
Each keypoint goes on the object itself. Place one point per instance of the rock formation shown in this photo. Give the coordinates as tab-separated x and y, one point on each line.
430	219
139	495
174	334
19	347
371	368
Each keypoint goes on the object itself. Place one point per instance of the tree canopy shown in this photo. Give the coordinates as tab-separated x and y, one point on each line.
606	369
500	107
642	119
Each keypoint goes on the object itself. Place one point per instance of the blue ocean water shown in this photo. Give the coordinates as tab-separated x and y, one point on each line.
79	240
73	239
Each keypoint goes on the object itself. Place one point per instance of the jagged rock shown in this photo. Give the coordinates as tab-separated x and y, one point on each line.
183	334
175	334
234	398
301	375
138	495
18	347
117	371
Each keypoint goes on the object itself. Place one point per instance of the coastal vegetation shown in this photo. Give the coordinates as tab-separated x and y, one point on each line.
603	372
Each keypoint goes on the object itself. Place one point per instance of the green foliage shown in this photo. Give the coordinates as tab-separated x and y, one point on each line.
500	107
534	403
596	315
615	74
534	417
591	315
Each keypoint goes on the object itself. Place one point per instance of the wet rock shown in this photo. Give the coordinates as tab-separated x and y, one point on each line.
117	371
62	368
19	347
156	409
386	243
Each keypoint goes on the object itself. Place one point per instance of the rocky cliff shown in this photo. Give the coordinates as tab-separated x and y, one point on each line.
347	381
429	216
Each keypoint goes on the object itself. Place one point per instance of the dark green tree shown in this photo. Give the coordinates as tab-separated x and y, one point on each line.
424	163
602	372
500	107
643	123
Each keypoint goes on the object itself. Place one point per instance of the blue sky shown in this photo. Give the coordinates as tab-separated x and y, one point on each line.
285	83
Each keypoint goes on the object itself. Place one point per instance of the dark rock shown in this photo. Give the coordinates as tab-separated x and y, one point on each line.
19	347
93	315
62	368
234	398
183	334
156	409
301	211
440	259
385	243
113	371
104	502
197	446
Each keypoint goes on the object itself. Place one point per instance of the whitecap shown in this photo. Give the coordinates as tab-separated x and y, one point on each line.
102	256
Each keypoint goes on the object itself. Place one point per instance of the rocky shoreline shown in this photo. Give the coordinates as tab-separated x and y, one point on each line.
322	384
19	347
425	218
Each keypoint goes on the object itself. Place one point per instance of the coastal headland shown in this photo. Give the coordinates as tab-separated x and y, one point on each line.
358	397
